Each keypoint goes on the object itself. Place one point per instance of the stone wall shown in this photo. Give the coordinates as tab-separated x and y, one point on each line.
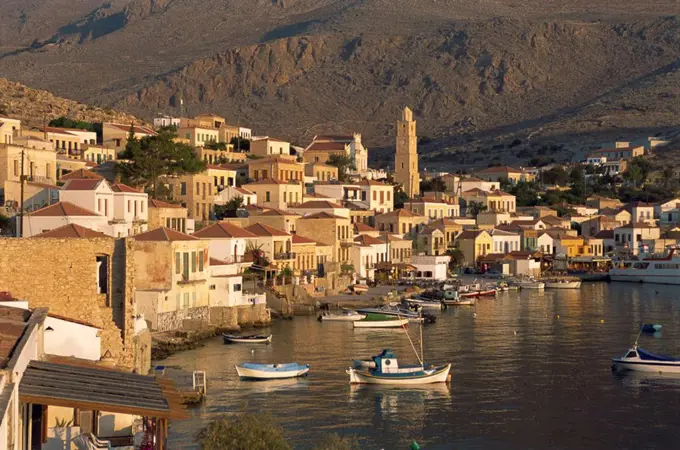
61	274
191	318
239	316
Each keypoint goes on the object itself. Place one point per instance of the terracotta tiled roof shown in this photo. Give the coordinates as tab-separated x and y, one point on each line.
71	230
82	184
499	232
260	229
164	234
326	146
218	262
81	174
633	225
277	212
470	234
267	181
318	204
335	137
322	215
500	169
363	228
302	240
552	220
138	129
120	187
63	209
223	230
153	203
13	323
372	183
605	234
243	191
400	213
368	240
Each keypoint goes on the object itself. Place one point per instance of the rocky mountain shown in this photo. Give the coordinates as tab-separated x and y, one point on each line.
476	72
34	107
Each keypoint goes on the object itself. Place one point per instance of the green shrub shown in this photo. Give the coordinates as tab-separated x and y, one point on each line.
243	432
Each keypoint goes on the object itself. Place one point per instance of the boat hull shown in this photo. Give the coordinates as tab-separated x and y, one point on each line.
425	304
646	366
645	276
440	375
395	323
254	374
564	285
342	317
244	340
462	302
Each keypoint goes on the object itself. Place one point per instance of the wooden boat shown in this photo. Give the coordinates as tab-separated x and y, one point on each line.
381	321
640	360
425	303
392	309
650	328
253	371
461	302
529	283
345	316
253	339
388	371
561	283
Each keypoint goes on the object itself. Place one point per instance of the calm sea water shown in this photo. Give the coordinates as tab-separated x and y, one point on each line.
530	371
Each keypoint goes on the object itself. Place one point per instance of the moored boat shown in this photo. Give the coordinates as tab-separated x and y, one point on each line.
425	303
345	316
640	360
252	339
650	328
655	269
386	370
373	320
561	283
392	309
528	283
461	302
271	371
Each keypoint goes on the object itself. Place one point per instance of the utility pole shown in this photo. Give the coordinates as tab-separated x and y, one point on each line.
21	201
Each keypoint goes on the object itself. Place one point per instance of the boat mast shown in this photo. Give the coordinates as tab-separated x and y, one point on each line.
422	354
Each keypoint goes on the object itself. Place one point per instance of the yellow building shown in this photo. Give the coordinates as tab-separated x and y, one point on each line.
276	218
276	244
196	192
401	221
9	129
330	230
573	246
220	156
269	147
222	176
276	194
496	201
115	135
305	254
320	152
474	244
320	171
433	208
450	229
97	154
168	215
199	136
39	163
276	167
509	174
431	241
400	249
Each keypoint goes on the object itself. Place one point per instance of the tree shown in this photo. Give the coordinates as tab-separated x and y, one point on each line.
5	224
436	184
65	122
474	208
334	441
240	144
144	161
634	175
556	175
667	177
400	197
457	257
229	209
243	432
577	175
643	166
216	146
343	163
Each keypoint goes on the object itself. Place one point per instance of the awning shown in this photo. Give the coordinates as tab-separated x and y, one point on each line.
398	266
100	389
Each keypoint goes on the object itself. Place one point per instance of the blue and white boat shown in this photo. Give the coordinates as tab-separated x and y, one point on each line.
640	360
385	369
252	371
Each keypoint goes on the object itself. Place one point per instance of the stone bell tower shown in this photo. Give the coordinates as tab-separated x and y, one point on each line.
406	157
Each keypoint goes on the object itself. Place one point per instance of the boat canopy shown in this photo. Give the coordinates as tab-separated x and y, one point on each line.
645	355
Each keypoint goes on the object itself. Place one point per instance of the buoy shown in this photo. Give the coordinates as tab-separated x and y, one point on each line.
252	351
474	314
558	316
415	446
601	320
515	333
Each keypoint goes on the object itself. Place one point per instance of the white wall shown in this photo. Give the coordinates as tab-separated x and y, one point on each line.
223	249
435	264
72	339
34	225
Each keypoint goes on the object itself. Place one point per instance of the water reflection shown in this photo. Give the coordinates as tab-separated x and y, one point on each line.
530	370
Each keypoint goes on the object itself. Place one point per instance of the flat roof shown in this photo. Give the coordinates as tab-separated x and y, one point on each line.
99	388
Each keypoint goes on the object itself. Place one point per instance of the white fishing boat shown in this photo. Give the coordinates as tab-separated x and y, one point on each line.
640	360
271	371
345	316
663	269
386	370
425	303
469	301
381	321
253	339
529	283
558	283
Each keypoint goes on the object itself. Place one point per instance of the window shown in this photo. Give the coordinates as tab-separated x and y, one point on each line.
193	299
200	261
185	266
129	206
267	196
193	262
183	188
237	288
178	262
16	168
284	196
198	188
186	300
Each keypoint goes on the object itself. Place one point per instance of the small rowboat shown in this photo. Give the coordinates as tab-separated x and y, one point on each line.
346	316
461	302
253	339
562	284
252	371
381	321
650	328
425	303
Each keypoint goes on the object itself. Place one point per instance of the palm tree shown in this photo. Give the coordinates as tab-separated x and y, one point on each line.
667	177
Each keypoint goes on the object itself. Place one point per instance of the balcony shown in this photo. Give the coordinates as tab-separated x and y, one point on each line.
284	256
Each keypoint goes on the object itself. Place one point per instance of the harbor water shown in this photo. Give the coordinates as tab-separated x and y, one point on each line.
531	370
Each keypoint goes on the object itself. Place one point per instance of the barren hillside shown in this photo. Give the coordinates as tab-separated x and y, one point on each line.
472	70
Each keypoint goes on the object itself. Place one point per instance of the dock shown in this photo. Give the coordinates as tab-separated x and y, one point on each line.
192	386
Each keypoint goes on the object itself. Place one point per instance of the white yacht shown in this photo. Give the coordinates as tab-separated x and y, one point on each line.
655	269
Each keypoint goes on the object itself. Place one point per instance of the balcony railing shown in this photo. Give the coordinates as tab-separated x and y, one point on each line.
286	255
